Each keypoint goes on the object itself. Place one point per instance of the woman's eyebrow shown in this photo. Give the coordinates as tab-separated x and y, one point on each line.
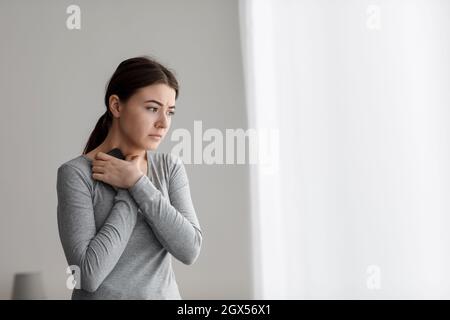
157	102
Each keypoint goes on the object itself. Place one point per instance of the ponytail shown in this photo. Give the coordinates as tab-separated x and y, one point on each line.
99	133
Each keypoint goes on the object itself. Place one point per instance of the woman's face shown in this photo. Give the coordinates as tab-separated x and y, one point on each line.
147	112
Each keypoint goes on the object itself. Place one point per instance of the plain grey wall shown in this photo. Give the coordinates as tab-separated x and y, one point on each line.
52	82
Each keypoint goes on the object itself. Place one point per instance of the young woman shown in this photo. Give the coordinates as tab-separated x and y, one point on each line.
120	221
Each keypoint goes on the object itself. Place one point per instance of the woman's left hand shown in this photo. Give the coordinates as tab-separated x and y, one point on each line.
116	172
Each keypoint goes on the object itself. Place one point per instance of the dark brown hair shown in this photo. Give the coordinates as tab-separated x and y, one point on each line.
131	75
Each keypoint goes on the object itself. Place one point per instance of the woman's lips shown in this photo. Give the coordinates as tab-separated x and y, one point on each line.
155	136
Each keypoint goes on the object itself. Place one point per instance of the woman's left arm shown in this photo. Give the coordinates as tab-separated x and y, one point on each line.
173	221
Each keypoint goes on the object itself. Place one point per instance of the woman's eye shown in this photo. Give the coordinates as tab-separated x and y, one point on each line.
154	109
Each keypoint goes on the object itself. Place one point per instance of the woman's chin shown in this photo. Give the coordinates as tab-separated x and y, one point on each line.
152	145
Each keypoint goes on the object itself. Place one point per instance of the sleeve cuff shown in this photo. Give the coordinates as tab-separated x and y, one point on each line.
143	189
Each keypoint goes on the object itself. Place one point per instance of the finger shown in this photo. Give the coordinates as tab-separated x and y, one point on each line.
103	156
98	169
132	158
99	163
98	176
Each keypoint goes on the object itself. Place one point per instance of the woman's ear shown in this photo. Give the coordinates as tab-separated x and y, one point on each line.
114	105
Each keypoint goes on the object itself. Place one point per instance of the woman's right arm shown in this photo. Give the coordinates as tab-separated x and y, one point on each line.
95	253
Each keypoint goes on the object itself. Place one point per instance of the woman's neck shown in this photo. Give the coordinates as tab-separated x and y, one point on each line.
115	140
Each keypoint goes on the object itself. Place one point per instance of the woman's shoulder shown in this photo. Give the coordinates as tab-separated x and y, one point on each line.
80	162
79	166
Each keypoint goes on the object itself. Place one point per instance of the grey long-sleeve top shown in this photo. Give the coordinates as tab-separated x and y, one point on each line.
122	241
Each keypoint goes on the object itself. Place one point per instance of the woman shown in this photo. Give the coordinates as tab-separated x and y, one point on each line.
120	220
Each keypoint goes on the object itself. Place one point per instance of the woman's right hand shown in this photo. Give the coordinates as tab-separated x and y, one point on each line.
116	172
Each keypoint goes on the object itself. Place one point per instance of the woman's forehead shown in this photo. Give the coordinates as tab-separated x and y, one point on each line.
161	93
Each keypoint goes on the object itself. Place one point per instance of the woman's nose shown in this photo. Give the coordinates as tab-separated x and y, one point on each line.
162	121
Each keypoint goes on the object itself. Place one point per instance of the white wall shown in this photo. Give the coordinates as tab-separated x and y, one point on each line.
52	83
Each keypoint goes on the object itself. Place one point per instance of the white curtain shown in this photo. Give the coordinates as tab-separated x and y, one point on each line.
357	206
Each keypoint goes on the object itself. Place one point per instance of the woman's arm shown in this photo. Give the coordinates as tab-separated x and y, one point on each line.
95	253
173	221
